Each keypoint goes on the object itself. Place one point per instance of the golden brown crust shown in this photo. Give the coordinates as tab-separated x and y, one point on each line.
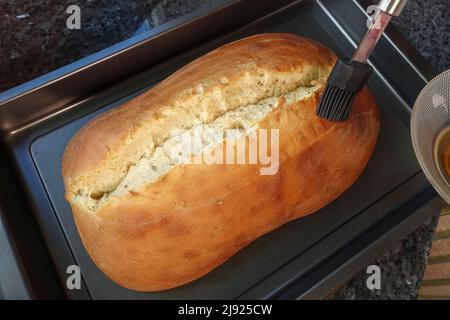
182	226
100	153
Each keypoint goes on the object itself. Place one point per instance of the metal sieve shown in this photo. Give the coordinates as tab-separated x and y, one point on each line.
430	131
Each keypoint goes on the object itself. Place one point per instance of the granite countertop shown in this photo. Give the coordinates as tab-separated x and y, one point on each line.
34	38
426	24
34	41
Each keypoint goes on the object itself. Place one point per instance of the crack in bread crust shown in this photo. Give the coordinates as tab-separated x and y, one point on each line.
241	73
153	166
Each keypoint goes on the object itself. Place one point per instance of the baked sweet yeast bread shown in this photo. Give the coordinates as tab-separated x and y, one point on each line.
154	217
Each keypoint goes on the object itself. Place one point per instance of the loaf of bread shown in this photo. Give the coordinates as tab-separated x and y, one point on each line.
154	219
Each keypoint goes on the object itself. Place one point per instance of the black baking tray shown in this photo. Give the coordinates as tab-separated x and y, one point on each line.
305	258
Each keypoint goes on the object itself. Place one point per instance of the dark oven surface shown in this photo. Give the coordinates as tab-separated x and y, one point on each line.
277	259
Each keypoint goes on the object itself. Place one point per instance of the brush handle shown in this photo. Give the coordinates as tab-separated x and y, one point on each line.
372	37
388	9
392	7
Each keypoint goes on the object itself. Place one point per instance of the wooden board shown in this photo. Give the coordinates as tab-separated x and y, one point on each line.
436	281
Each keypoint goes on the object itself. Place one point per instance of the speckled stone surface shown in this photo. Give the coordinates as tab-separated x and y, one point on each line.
426	24
34	41
402	268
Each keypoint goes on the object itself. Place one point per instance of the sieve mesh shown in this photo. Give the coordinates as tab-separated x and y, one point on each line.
430	116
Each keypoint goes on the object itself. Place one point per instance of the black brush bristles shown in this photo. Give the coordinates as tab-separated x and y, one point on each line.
335	104
344	83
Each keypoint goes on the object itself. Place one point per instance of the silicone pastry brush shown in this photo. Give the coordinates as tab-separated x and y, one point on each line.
348	77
